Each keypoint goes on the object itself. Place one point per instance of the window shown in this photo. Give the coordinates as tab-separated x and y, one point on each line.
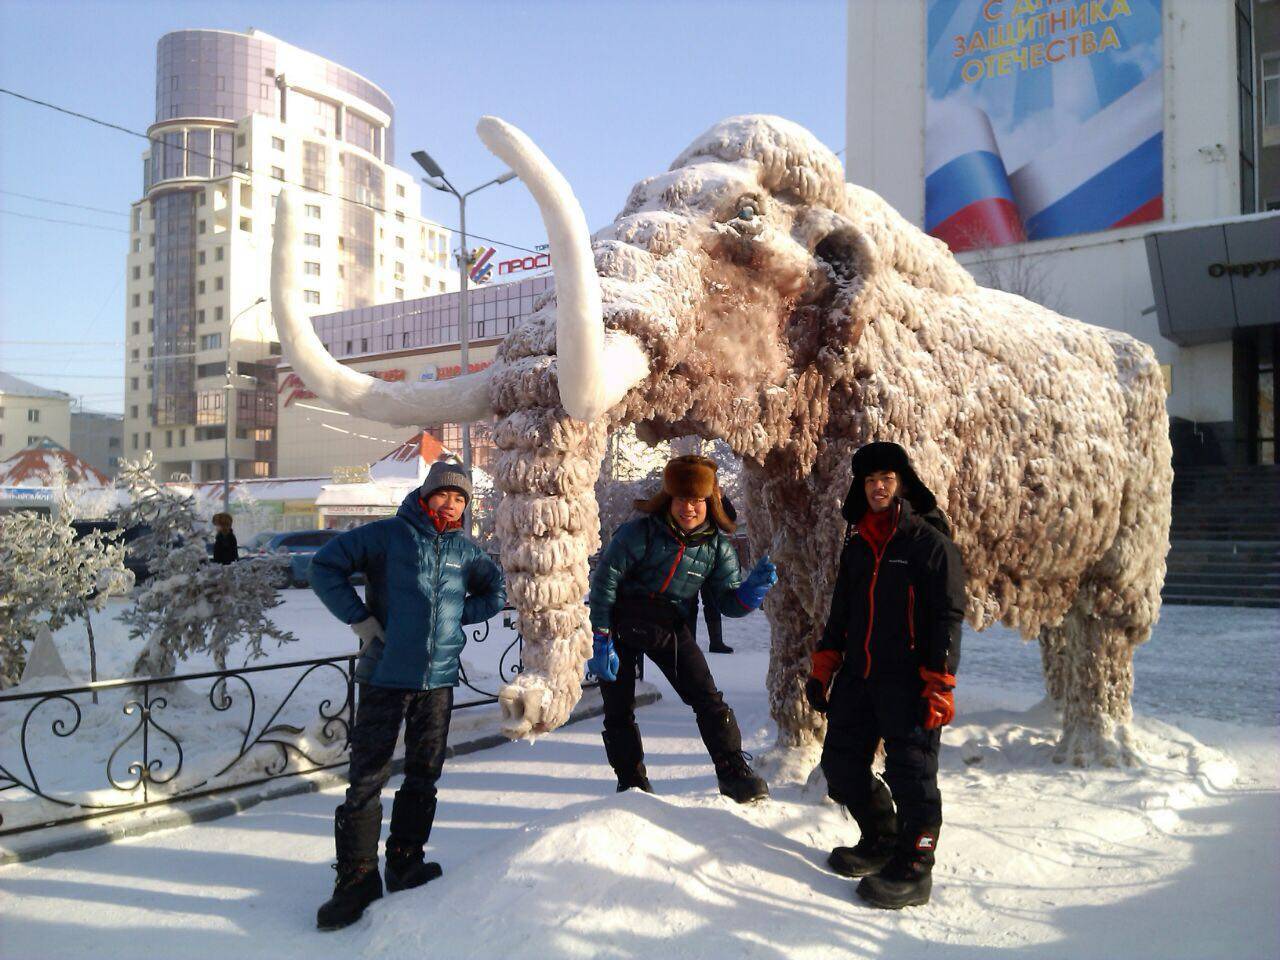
32	438
217	283
217	313
246	225
311	239
135	439
349	350
182	437
137	328
210	341
151	269
400	242
137	244
137	273
133	409
217	254
147	439
199	316
168	438
199	286
311	296
137	299
399	293
313	211
200	258
1271	90
277	143
311	268
133	385
400	216
239	136
364	344
277	172
33	416
399	189
200	227
151	296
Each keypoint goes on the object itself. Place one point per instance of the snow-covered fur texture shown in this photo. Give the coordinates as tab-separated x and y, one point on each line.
796	317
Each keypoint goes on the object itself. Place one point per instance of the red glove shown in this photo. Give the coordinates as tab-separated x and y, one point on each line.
824	665
939	698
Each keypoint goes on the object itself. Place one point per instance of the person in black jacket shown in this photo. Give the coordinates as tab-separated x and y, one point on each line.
225	548
892	645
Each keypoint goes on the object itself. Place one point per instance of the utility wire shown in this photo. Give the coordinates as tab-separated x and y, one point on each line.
245	168
72	223
64	203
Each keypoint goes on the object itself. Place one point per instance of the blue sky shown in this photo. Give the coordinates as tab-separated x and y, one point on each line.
612	91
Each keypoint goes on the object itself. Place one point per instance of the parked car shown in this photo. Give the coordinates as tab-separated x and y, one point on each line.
300	546
132	562
255	546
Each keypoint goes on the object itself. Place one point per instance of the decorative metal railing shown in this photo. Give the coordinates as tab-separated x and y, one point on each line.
180	739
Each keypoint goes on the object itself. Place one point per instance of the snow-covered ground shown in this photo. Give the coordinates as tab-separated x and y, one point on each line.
541	858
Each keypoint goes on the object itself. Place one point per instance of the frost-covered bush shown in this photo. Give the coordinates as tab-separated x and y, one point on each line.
191	605
47	575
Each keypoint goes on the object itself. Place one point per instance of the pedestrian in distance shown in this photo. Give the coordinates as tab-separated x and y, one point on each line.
640	594
885	669
710	612
425	581
225	548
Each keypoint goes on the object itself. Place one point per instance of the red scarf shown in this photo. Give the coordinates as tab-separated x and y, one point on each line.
439	522
877	528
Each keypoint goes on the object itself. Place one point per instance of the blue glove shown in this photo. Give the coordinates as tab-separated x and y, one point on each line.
762	576
604	661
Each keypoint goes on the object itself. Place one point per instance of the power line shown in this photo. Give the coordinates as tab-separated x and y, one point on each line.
61	343
245	168
72	223
64	203
73	376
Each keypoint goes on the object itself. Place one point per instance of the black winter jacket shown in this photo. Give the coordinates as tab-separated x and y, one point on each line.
225	548
903	609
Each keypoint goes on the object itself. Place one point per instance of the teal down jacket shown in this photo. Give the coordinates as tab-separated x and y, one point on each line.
649	557
422	586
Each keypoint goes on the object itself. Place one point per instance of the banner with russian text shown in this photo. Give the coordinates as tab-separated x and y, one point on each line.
1044	118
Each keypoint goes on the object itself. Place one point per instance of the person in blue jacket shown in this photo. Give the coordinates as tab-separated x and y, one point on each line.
426	579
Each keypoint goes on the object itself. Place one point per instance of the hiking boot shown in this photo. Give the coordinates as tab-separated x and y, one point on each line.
719	648
879	826
358	886
738	781
407	867
625	751
907	879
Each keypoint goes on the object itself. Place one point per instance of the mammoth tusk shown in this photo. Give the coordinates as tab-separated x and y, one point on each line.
459	400
594	372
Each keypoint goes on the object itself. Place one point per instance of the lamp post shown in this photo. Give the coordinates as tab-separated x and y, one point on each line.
226	412
438	181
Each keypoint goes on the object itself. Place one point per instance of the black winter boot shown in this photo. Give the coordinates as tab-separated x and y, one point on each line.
719	647
907	879
411	817
737	780
626	755
358	884
879	826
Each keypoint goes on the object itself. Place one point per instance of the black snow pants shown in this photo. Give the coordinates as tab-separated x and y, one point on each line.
660	632
379	713
861	713
711	615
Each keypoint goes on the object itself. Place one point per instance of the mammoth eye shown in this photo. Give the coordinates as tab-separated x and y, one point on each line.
747	212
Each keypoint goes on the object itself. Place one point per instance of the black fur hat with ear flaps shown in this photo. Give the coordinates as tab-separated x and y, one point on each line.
875	457
695	477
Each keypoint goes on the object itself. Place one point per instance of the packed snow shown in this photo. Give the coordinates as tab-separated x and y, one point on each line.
541	857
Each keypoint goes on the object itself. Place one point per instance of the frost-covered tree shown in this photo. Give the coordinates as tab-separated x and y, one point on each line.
47	575
190	605
631	470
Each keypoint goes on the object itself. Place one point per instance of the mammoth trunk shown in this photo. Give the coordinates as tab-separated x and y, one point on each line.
548	525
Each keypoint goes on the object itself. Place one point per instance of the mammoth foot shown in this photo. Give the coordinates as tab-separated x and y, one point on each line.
795	765
526	706
1098	741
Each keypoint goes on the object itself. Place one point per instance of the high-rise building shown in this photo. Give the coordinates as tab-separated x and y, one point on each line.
238	117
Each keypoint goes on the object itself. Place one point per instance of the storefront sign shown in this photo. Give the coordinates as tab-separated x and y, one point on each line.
532	262
358	474
481	261
444	373
357	510
1259	268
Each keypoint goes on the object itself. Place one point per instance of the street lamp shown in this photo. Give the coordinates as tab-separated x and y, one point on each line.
226	412
438	181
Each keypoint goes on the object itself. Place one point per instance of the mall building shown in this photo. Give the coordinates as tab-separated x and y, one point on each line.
238	117
1118	161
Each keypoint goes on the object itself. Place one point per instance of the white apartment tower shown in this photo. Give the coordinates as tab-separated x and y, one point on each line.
238	117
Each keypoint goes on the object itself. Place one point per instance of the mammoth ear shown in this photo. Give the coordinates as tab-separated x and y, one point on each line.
845	262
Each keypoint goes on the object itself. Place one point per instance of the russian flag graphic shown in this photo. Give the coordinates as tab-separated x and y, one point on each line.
969	200
1106	173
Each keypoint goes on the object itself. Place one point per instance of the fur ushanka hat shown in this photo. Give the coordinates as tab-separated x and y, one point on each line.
695	477
875	457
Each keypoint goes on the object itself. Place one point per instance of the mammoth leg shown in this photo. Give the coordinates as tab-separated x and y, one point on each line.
1088	670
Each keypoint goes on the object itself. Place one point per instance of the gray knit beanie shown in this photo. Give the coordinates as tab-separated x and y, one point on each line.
446	473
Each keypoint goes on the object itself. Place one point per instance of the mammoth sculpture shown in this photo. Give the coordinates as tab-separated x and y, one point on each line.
750	294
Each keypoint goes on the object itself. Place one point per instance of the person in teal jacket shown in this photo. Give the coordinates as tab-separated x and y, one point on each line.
425	580
640	603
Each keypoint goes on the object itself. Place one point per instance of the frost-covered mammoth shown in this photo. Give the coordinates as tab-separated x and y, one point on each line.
749	294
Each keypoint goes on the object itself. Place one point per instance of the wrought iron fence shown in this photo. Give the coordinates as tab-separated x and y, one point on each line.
180	739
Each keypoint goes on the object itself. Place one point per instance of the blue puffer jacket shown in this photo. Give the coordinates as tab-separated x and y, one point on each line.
422	586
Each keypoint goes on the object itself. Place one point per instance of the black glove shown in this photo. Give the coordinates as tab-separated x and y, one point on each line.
815	691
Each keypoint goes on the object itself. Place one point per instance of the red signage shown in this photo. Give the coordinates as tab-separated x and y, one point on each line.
532	262
444	373
298	390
